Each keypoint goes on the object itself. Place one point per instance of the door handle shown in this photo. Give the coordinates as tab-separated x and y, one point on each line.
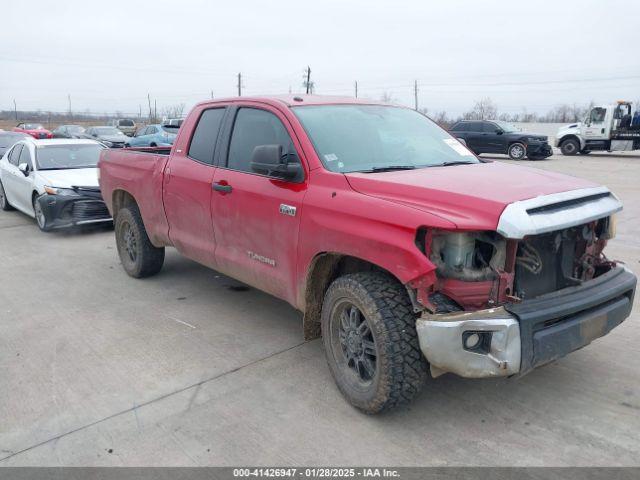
222	187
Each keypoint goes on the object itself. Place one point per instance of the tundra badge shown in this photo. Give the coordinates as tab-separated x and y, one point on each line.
287	210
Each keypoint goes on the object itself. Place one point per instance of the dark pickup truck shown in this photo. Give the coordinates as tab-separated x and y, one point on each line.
405	252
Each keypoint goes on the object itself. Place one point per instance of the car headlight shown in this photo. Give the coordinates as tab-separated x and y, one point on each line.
59	191
107	143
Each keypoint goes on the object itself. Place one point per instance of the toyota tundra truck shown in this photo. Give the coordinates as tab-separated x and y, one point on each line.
405	252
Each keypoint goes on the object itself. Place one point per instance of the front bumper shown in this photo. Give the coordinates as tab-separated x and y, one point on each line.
520	337
542	150
63	211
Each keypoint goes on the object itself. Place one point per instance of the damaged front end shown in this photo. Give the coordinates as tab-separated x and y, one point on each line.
67	207
502	303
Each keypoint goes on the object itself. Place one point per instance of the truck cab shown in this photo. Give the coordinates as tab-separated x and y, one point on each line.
608	128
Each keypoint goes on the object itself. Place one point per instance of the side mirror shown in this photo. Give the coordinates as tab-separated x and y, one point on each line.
24	168
499	131
270	160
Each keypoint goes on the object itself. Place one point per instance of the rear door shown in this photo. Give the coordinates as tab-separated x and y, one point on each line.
257	217
10	174
474	137
187	188
21	184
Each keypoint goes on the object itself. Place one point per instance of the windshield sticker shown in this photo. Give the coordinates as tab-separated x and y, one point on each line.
457	146
330	157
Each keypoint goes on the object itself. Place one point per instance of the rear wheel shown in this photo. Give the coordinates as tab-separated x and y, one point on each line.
517	151
41	220
370	341
4	202
570	147
585	152
139	257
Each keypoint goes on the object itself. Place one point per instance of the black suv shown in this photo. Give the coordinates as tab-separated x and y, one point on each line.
483	136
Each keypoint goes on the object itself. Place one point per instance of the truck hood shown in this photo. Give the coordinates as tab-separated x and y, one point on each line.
80	177
471	196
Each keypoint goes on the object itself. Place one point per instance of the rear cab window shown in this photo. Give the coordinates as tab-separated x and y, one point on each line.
205	135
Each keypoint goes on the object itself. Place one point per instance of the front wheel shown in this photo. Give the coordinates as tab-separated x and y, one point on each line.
4	203
370	341
570	147
139	257
41	220
517	151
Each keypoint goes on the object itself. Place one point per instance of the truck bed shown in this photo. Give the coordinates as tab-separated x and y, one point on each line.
137	173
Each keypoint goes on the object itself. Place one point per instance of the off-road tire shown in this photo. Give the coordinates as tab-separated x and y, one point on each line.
517	151
4	202
400	368
585	152
139	257
570	147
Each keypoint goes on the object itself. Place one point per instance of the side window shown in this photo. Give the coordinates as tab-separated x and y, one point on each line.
251	128
598	114
488	127
15	154
25	157
204	138
474	127
460	127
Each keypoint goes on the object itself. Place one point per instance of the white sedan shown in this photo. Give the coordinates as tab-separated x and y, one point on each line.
54	181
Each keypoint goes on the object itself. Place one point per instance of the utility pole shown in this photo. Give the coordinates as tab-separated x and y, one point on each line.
415	93
356	88
149	99
212	94
15	109
155	110
239	84
309	88
139	112
70	113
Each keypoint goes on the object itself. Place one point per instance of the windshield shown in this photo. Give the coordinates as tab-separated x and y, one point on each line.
108	131
507	127
126	123
56	157
352	138
33	126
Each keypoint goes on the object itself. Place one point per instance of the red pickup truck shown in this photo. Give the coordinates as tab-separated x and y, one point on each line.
404	250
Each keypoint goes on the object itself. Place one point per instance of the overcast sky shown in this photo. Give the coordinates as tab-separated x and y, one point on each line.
108	55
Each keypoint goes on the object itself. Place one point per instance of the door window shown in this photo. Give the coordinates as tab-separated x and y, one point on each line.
597	115
205	135
475	127
460	127
488	127
25	157
252	128
15	155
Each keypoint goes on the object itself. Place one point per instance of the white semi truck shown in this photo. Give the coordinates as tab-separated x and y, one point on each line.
605	128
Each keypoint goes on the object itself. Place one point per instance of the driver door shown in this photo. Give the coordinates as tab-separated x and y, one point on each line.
596	125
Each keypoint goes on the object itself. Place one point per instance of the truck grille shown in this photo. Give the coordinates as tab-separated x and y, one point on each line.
89	210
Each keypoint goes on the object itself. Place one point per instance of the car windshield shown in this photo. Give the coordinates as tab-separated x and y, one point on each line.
58	157
361	138
126	123
33	126
507	127
108	131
